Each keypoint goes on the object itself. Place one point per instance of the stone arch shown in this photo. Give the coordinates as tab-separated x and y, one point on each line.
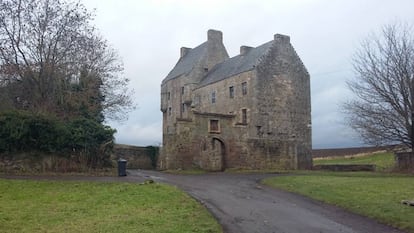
218	154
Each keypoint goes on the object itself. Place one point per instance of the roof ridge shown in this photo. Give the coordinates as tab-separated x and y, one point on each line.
236	65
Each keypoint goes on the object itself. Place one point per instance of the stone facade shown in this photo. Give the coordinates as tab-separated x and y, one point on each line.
249	111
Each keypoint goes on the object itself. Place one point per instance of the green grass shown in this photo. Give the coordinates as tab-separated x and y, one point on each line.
49	206
383	161
376	195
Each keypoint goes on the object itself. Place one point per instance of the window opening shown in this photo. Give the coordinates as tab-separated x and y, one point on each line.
213	97
214	126
231	92
244	88
244	116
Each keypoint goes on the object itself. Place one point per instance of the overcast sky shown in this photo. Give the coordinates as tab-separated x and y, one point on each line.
148	35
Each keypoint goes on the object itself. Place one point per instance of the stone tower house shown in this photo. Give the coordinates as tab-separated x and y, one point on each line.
248	111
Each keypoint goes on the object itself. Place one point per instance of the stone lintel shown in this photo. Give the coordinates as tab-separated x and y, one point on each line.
213	114
184	119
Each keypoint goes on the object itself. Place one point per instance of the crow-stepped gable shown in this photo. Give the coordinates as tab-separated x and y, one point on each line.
248	111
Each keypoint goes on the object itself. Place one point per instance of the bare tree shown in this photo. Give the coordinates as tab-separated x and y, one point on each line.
383	111
45	48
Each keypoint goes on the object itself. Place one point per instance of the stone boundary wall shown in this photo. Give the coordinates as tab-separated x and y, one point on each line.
322	153
345	167
404	161
137	157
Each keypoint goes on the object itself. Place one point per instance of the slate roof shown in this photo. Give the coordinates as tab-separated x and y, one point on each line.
236	65
187	63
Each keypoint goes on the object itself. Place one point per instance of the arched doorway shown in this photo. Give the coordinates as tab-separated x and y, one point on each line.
217	154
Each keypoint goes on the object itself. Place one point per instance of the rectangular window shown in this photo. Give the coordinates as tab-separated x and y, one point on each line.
168	95
231	92
244	88
169	111
213	97
214	126
244	116
182	90
182	107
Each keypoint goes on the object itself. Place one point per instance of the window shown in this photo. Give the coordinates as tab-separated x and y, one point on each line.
244	88
244	116
182	107
169	111
182	90
214	126
168	95
231	92
213	97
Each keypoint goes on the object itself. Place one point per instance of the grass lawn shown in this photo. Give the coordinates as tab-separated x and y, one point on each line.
383	161
51	206
376	195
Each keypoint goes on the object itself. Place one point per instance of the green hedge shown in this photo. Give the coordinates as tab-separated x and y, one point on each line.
23	131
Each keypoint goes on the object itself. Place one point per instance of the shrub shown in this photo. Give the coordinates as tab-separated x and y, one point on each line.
86	138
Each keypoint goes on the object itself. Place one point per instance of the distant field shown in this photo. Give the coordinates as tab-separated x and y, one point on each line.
320	153
383	161
51	206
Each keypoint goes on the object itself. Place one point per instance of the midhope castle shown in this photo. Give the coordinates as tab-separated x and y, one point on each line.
248	111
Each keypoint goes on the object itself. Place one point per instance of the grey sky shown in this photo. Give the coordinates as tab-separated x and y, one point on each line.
325	33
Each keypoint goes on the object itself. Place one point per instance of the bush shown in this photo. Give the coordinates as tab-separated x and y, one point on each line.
22	131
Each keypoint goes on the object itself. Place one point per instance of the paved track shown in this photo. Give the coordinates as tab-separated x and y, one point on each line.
242	204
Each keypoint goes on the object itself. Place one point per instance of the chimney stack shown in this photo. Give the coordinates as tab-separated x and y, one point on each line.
184	51
214	35
282	38
244	49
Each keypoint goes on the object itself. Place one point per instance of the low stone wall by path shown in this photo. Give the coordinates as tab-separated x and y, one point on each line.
345	167
137	157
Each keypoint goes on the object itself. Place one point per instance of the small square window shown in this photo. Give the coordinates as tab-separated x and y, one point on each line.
244	88
231	92
213	97
214	126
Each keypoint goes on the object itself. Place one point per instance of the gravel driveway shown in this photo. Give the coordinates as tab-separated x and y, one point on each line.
242	204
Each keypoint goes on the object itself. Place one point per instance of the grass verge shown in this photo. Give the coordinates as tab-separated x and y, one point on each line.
49	206
375	195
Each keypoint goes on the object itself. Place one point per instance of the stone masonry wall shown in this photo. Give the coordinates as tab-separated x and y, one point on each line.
269	126
283	101
137	157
